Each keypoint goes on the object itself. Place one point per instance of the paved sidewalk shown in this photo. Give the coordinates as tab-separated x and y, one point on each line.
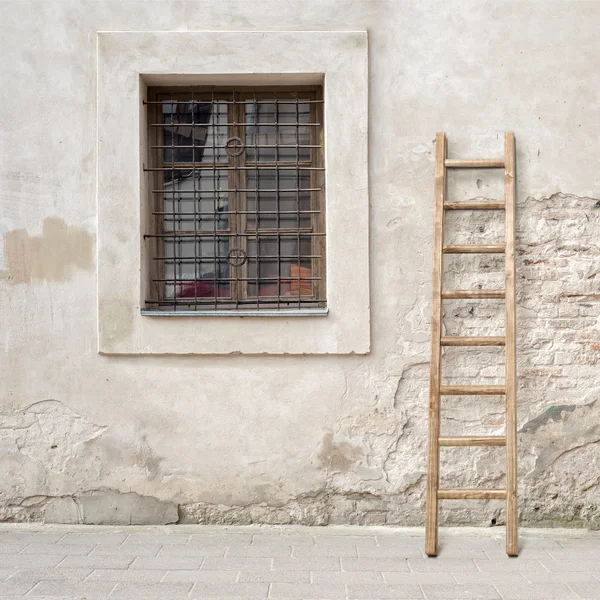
293	562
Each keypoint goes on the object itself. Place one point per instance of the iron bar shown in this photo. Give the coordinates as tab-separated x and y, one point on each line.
224	147
298	200
214	198
237	212
262	233
173	205
254	190
220	279
277	202
252	301
236	198
250	257
187	102
195	203
271	167
257	196
183	124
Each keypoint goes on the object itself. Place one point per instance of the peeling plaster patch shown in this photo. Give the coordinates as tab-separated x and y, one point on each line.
111	507
62	510
37	448
364	441
333	508
411	373
50	256
47	446
42	509
551	437
47	432
96	507
554	413
313	508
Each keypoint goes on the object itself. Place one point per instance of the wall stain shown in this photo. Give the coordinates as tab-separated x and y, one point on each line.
116	319
554	413
48	257
338	456
564	429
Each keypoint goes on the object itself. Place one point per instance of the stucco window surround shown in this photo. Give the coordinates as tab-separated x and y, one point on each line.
128	62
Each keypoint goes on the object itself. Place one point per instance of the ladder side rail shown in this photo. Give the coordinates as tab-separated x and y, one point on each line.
433	475
511	366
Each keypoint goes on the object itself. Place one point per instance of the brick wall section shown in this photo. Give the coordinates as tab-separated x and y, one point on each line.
558	289
558	298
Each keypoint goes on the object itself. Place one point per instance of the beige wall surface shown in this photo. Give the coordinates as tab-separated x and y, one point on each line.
87	437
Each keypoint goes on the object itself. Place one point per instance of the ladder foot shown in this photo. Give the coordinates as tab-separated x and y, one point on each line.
431	548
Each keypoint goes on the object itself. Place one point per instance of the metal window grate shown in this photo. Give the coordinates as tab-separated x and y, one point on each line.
236	182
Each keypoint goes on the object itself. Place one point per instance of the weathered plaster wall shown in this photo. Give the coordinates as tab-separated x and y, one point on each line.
310	439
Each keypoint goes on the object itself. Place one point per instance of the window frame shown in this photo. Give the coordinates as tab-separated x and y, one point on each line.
239	231
129	62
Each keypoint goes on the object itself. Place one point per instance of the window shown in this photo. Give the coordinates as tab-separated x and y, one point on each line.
136	316
236	186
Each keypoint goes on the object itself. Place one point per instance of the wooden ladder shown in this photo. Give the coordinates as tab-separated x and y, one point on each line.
434	493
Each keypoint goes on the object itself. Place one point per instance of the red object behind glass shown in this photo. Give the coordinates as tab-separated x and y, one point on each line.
288	286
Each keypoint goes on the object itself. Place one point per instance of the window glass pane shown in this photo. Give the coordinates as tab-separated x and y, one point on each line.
278	199
197	201
277	268
197	268
194	131
270	139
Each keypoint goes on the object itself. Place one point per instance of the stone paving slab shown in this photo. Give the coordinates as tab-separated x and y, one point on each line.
55	562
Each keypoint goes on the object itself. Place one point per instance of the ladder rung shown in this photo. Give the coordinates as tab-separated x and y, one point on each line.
463	494
472	294
474	205
473	341
472	390
475	163
475	249
494	440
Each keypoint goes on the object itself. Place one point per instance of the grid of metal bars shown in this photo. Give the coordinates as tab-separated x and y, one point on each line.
236	179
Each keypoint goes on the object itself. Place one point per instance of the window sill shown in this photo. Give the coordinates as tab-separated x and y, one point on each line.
311	312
